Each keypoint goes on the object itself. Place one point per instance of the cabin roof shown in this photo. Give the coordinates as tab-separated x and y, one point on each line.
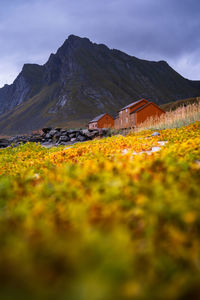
133	103
147	104
96	119
134	111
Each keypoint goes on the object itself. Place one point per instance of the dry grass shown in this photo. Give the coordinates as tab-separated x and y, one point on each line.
179	103
173	119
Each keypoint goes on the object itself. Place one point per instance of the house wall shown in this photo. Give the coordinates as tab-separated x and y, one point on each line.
106	122
92	125
133	119
126	120
147	112
116	123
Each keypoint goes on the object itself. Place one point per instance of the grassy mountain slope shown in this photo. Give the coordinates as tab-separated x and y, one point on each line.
174	105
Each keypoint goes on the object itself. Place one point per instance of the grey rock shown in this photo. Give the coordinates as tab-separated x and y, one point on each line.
12	139
62	101
53	136
103	131
73	140
46	129
155	134
63	132
52	132
4	143
72	135
84	132
72	131
35	139
81	138
57	136
64	139
47	136
92	134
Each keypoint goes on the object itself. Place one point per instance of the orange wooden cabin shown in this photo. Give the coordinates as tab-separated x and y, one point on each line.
136	113
102	121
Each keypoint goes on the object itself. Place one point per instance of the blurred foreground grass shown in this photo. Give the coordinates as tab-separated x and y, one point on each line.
95	222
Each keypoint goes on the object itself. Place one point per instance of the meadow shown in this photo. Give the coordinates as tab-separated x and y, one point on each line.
93	221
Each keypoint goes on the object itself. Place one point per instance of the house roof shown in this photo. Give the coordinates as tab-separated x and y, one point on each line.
133	103
139	108
143	106
96	119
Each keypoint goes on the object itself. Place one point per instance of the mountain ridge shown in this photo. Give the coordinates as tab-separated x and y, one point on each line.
84	79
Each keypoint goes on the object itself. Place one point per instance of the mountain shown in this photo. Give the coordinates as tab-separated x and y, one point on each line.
82	80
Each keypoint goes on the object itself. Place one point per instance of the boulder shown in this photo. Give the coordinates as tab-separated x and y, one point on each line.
155	133
52	132
46	129
73	140
57	136
84	132
77	133
4	143
81	138
92	134
64	132
103	131
64	139
71	131
47	136
72	135
35	139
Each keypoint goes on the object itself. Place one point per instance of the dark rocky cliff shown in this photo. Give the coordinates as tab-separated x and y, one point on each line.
82	80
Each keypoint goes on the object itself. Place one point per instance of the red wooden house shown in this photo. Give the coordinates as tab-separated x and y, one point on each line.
102	121
136	113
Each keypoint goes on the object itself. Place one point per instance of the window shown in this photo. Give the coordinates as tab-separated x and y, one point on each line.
126	120
126	109
121	121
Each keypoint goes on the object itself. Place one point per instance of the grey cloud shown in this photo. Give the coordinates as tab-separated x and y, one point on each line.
149	29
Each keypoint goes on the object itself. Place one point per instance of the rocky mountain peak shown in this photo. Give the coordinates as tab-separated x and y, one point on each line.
74	42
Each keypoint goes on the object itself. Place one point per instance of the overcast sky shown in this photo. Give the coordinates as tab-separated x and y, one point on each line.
151	29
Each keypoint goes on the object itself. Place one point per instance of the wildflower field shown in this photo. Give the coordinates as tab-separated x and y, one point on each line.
96	222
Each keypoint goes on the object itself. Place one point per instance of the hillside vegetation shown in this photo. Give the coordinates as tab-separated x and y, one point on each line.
180	103
183	113
97	221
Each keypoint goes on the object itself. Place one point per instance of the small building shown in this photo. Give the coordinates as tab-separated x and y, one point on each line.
117	122
136	113
102	121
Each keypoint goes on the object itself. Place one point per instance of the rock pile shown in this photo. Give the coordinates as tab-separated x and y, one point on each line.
57	136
